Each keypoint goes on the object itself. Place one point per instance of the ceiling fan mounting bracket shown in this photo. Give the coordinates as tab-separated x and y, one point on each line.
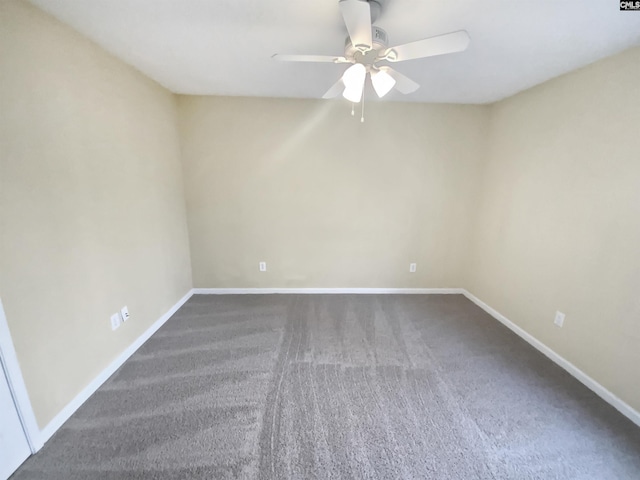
376	9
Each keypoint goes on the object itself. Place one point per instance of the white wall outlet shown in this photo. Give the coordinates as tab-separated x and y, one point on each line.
559	320
413	267
115	321
124	313
263	266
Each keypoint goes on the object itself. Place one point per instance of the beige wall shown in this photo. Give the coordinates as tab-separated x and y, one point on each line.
91	204
559	224
325	200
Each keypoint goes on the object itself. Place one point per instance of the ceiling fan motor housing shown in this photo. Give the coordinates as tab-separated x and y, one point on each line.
380	42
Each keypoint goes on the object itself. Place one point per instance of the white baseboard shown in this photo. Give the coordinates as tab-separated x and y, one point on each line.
585	379
47	432
360	291
52	427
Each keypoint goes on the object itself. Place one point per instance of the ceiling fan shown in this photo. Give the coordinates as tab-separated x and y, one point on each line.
367	45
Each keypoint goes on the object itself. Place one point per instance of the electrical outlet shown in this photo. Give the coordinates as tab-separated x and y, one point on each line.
559	320
413	267
263	266
115	321
124	312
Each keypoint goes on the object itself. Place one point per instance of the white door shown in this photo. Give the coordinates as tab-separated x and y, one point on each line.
14	448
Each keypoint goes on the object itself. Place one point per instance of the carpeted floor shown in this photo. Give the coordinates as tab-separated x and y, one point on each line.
339	386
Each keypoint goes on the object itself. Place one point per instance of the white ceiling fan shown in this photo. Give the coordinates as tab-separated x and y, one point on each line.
367	45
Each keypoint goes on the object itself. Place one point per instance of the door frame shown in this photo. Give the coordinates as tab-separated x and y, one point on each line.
17	386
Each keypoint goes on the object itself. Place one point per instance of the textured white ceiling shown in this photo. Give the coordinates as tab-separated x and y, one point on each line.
224	47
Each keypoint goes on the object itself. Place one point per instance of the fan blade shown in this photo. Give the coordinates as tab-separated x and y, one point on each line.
334	91
429	47
309	58
403	84
357	18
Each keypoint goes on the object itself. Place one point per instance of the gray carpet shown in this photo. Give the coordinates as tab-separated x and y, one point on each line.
339	386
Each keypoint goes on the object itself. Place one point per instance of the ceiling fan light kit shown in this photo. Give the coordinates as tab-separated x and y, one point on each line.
353	79
367	45
382	81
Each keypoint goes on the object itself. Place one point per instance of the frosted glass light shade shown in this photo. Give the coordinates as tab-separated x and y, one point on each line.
353	80
382	82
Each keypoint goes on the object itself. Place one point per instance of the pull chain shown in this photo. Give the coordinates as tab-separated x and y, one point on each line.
362	115
353	109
